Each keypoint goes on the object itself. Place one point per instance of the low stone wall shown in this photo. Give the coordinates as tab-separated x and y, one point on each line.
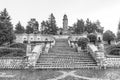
112	62
13	63
102	60
20	38
96	54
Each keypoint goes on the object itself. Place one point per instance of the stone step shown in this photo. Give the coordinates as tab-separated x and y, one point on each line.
71	59
67	53
80	60
62	56
66	62
57	66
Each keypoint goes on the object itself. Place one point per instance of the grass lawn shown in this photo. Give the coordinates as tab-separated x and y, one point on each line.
31	75
91	73
71	78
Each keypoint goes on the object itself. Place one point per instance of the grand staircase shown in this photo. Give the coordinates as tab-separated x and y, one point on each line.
61	56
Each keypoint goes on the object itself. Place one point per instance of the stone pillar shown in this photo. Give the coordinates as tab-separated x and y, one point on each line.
28	51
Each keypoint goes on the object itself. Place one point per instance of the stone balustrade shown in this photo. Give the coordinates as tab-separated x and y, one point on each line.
13	63
96	54
47	47
112	62
72	43
35	54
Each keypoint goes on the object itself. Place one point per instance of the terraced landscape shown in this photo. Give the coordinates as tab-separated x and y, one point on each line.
63	63
63	56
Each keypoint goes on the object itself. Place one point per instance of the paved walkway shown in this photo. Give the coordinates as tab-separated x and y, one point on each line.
71	73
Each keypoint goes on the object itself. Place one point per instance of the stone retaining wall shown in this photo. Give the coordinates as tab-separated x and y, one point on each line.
13	63
112	62
96	54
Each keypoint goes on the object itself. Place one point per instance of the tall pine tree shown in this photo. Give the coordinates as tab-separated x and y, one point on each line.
6	28
80	27
52	25
19	29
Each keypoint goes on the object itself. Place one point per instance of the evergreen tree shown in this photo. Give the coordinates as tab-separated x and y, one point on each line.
49	26
6	28
29	29
118	33
34	24
43	27
88	26
52	25
98	27
80	27
19	29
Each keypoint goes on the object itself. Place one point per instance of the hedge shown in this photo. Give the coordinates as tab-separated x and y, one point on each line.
4	51
18	45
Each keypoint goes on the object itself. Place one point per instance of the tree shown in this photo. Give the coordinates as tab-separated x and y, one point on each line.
118	33
98	27
108	36
50	26
90	27
82	42
32	26
19	29
80	27
92	37
29	29
118	36
6	28
44	27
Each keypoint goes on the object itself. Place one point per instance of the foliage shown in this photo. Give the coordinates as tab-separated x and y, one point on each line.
29	29
32	26
116	51
113	49
45	27
118	33
118	36
92	37
19	29
6	28
108	36
82	42
18	45
90	27
79	27
49	27
83	26
12	51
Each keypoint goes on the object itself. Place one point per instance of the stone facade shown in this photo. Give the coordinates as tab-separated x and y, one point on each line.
65	24
20	38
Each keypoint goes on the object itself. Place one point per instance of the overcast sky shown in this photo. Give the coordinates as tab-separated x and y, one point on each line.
107	11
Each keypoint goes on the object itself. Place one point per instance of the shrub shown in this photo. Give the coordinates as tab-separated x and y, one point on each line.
108	36
18	45
12	52
82	42
92	37
116	51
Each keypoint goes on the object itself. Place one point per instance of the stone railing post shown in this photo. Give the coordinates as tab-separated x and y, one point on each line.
28	51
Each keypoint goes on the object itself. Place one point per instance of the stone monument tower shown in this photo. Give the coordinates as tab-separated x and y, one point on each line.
65	24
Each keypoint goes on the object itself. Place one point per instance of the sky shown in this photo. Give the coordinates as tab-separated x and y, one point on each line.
106	11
